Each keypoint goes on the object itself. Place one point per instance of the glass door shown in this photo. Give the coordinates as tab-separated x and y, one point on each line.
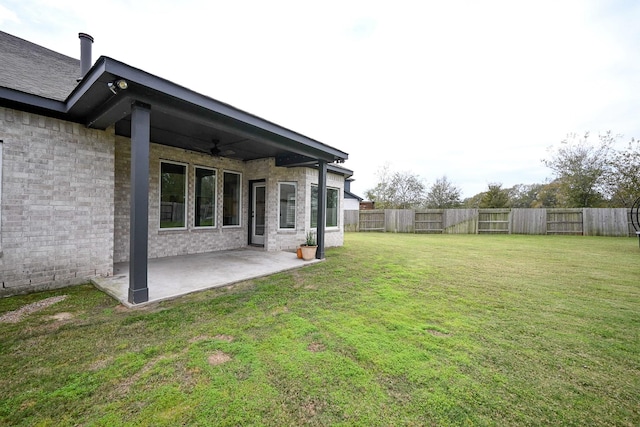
258	216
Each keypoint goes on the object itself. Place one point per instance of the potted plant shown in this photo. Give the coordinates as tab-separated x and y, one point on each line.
309	247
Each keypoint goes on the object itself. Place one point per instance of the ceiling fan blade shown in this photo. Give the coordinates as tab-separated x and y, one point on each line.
215	151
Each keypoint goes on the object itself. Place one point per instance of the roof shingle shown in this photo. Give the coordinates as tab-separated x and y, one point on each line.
33	69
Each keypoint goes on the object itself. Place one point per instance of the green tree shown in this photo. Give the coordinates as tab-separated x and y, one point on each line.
549	196
443	194
581	167
495	197
473	201
524	196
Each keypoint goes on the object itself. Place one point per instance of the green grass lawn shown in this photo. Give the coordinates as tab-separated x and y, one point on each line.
393	329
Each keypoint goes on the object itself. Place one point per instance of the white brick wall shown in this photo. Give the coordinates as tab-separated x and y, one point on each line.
57	202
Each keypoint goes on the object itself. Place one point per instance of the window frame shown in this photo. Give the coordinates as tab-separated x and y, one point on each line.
239	224
195	197
295	205
337	190
311	216
186	194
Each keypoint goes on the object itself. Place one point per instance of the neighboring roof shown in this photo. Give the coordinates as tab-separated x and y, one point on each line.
36	70
340	170
350	195
180	117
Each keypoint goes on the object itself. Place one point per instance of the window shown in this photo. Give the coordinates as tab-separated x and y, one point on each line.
287	205
205	198
232	186
332	206
173	191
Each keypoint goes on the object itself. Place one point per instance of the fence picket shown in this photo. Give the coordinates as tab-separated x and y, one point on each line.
587	221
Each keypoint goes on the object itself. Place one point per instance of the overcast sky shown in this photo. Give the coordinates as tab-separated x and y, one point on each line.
474	90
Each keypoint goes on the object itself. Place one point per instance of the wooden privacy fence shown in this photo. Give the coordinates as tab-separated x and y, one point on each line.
581	221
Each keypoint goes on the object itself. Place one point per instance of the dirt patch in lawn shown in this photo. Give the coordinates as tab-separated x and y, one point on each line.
16	316
121	308
100	364
59	317
219	337
316	347
199	338
297	279
218	358
438	333
280	310
311	409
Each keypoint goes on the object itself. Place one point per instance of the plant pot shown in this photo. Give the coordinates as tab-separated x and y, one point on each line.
308	252
299	252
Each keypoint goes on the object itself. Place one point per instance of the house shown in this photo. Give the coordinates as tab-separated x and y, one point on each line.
351	201
367	205
103	162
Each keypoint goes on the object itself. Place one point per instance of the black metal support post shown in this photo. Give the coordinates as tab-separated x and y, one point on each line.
322	207
139	231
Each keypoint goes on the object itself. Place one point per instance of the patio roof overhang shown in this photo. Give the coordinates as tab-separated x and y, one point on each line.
186	119
180	117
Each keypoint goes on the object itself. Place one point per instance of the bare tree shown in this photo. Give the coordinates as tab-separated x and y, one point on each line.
381	194
408	190
623	176
581	167
396	190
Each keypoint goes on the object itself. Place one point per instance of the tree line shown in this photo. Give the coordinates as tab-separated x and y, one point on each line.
586	173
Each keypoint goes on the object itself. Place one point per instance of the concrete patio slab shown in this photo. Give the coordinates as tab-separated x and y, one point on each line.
172	277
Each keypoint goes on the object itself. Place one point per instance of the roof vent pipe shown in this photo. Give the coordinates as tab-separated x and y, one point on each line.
85	53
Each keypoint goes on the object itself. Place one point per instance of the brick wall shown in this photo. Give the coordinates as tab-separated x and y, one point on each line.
57	202
163	242
334	236
64	212
303	177
196	240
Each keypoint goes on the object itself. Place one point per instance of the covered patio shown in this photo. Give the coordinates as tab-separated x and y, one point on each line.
145	108
172	277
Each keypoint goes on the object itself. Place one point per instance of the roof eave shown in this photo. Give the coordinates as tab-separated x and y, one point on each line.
31	102
353	196
174	92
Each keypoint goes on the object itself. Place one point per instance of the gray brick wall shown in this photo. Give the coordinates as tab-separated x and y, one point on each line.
57	202
195	240
64	210
334	236
192	240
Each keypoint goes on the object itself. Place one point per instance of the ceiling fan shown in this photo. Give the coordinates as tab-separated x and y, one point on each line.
216	151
